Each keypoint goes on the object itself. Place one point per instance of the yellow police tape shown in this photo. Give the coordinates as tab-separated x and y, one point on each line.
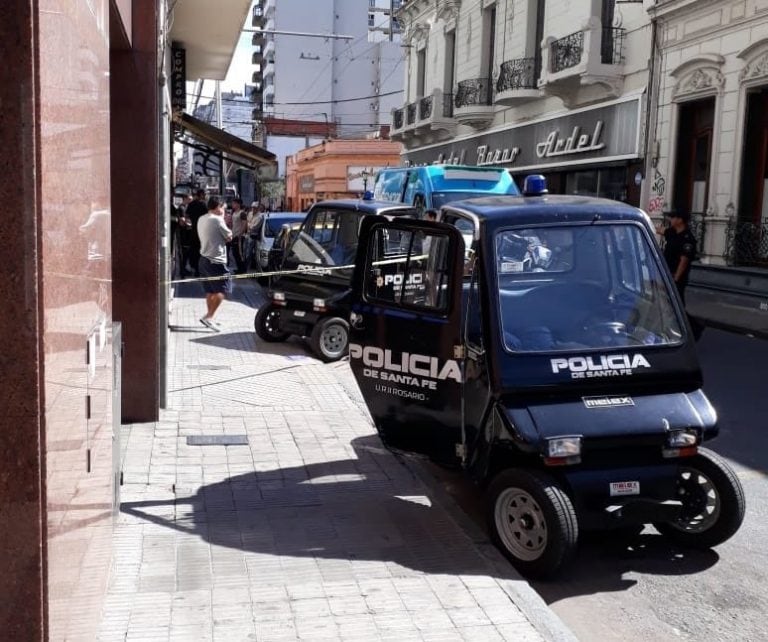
320	270
307	269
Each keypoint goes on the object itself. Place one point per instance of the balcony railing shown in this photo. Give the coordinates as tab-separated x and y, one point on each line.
258	16
410	113
518	74
447	105
477	91
612	45
566	52
397	119
425	107
746	243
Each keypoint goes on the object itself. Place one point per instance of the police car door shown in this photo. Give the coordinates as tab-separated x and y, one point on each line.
405	333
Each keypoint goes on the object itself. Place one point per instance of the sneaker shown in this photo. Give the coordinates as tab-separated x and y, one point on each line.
208	323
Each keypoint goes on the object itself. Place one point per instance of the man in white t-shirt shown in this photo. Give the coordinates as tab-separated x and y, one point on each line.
214	236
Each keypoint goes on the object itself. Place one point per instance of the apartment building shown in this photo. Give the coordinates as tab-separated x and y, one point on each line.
351	79
556	87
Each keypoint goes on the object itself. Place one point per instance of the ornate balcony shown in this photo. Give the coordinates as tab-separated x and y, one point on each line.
410	114
257	18
397	131
594	55
428	119
473	102
435	120
518	81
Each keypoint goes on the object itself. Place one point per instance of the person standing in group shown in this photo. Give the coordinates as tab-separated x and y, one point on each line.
194	211
239	235
183	235
214	236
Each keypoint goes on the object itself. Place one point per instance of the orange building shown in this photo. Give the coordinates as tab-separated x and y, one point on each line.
336	169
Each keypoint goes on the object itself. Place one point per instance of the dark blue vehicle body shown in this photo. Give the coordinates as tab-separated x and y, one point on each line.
318	268
610	362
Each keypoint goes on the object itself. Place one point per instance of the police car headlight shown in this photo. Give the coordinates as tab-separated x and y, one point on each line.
278	296
682	438
564	446
318	305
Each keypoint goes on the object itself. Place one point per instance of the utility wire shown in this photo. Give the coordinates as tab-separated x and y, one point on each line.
316	102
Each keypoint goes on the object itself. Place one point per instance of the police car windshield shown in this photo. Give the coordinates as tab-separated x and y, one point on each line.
327	238
582	287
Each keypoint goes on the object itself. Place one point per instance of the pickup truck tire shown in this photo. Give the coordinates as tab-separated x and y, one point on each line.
713	502
330	339
532	521
267	324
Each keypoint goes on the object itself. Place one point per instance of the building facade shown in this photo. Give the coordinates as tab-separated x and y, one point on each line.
710	137
336	169
351	79
548	86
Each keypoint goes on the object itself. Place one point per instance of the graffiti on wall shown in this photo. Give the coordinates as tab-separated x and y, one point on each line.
658	189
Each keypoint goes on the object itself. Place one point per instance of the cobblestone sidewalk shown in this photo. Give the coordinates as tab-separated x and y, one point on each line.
307	530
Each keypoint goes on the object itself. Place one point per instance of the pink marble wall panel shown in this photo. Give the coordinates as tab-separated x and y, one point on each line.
77	303
21	530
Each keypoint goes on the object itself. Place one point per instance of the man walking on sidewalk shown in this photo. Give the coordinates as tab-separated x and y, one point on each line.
214	236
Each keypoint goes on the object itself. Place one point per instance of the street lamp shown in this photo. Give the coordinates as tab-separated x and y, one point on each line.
365	174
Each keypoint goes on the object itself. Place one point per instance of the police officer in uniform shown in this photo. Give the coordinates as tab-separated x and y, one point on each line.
679	249
679	252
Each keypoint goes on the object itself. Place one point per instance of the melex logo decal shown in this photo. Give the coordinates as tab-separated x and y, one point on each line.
607	402
418	371
614	365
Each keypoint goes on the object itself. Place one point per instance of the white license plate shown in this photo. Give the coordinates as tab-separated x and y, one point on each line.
299	313
625	488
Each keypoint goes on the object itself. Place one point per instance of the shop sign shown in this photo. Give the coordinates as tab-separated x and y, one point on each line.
360	178
178	77
597	134
307	183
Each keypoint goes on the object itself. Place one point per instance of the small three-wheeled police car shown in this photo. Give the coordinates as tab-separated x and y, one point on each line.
312	298
553	360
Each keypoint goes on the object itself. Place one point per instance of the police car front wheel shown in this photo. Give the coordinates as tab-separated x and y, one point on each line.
713	502
330	338
267	324
532	521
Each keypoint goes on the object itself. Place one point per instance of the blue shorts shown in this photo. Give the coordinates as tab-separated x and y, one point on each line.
220	286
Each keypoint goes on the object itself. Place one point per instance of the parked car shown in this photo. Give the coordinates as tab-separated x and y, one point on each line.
554	363
312	298
265	231
284	238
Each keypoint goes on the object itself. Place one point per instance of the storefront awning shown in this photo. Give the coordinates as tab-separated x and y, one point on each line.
231	147
209	31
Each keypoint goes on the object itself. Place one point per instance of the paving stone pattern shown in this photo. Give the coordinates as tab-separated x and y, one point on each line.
311	531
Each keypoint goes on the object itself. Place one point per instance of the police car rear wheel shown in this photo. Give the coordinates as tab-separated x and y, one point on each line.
532	521
713	502
330	339
267	324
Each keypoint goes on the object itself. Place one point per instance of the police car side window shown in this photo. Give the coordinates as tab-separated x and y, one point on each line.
467	230
415	276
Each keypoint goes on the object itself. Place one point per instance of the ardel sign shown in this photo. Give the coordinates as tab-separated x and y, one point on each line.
604	133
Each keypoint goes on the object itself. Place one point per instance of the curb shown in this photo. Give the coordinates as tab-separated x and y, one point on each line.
530	603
